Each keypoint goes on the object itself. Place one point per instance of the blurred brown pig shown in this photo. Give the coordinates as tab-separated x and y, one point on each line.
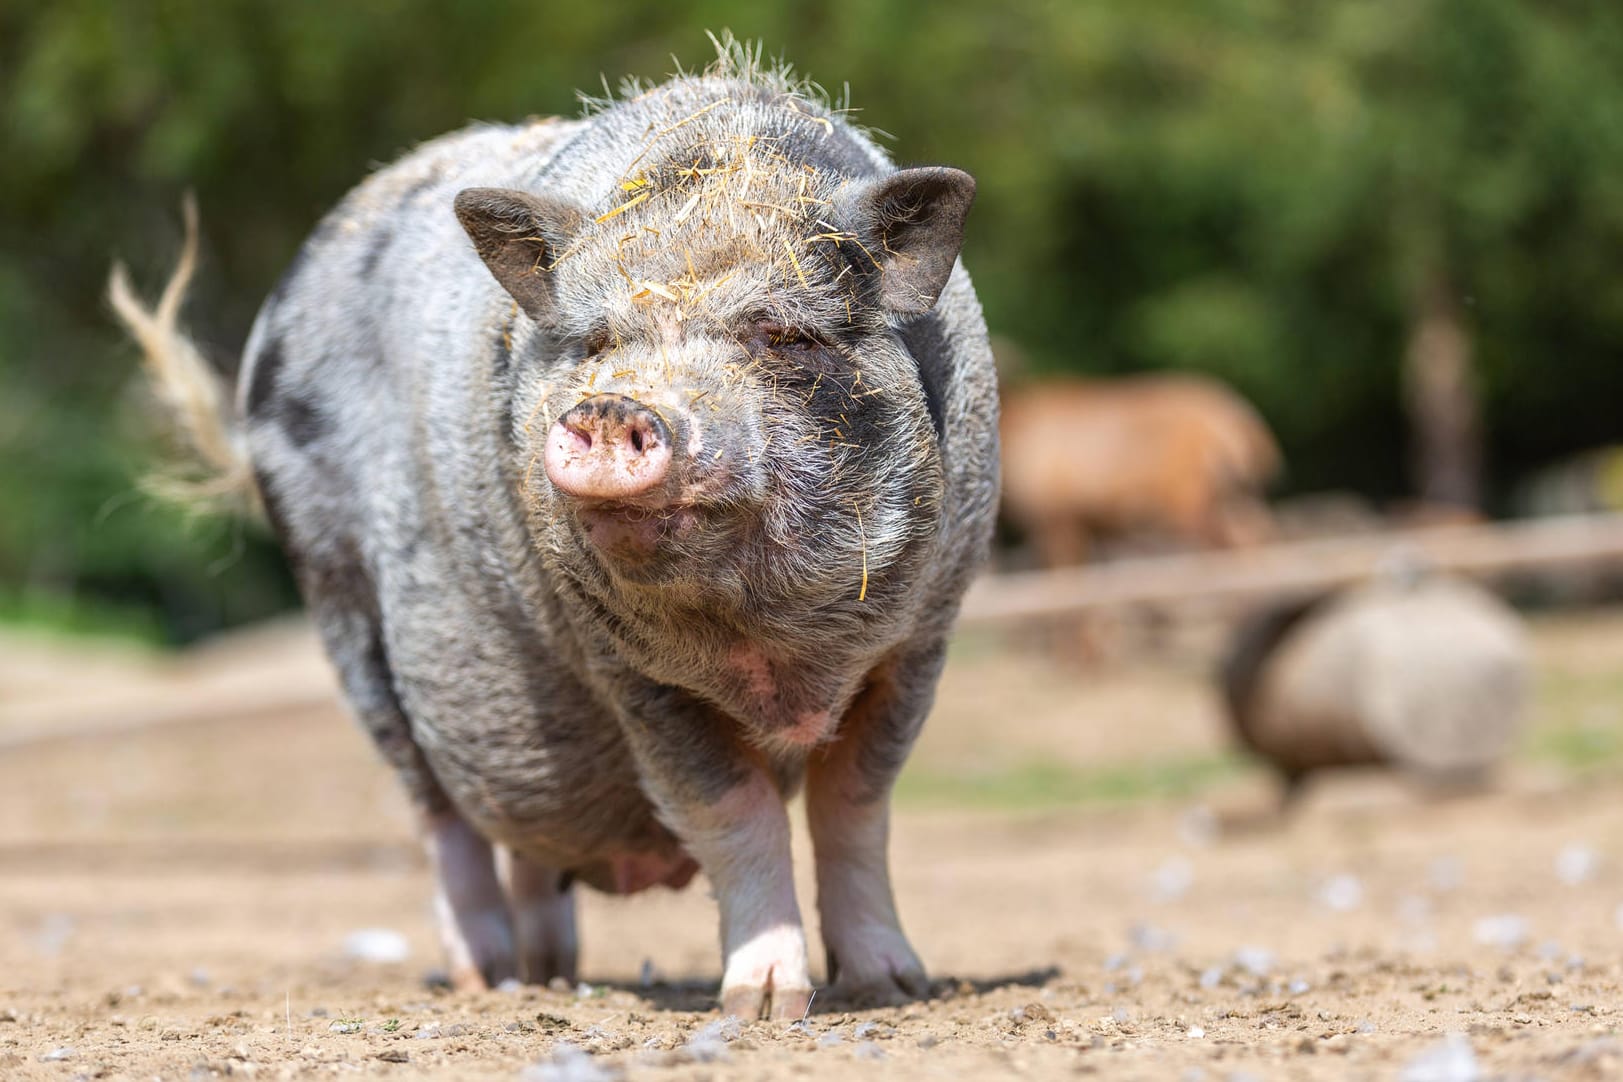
1177	455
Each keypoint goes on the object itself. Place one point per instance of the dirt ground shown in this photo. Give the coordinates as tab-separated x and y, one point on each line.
187	849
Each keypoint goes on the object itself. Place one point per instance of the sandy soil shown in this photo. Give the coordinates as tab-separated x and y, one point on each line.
176	898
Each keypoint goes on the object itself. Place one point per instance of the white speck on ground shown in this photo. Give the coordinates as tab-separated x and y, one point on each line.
382	945
1342	893
1506	931
1451	1059
1576	864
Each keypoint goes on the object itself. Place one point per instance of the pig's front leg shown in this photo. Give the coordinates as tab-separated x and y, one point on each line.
729	813
848	786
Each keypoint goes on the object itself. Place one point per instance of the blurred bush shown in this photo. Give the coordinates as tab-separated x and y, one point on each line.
1257	188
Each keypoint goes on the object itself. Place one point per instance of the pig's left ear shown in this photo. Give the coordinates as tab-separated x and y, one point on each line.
519	236
913	222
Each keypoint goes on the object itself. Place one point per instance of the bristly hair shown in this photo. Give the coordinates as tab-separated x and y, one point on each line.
744	61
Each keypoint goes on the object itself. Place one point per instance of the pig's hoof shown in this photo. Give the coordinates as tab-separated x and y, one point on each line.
541	966
548	946
479	947
885	974
777	1002
767	977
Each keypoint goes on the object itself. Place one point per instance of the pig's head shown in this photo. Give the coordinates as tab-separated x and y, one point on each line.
718	394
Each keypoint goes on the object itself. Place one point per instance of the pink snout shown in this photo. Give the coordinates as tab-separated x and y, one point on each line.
608	447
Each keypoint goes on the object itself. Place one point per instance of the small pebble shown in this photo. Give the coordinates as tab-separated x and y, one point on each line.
1172	879
1505	930
56	1055
54	932
1450	1060
1258	961
570	1064
709	1044
1147	937
1198	827
1342	893
1446	874
380	945
1414	908
723	1029
1575	865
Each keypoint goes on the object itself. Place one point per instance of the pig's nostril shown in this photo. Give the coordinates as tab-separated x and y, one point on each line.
608	447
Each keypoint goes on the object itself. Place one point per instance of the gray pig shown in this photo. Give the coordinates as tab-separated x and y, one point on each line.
647	508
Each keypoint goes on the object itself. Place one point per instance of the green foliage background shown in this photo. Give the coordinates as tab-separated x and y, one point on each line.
1253	188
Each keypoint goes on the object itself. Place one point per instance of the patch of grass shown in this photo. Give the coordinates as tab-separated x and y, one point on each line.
391	1025
70	617
1578	721
1577	747
1044	784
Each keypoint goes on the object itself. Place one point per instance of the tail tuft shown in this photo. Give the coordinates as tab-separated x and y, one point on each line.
191	391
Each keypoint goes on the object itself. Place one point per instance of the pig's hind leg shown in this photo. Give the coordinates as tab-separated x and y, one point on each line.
475	928
543	900
848	788
474	924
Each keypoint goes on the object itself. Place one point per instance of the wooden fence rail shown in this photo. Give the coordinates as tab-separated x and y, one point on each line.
1568	543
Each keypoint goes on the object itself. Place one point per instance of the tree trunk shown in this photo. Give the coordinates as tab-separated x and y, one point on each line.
1440	393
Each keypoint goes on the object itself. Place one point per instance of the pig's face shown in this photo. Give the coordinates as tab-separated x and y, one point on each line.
728	404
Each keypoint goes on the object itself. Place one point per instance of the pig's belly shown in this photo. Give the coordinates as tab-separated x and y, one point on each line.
553	782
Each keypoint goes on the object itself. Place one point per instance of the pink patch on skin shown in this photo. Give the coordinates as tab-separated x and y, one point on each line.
752	664
809	728
634	872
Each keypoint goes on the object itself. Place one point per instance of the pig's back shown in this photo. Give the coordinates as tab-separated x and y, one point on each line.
336	370
377	450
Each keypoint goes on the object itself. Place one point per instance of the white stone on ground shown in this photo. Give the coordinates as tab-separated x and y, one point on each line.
376	945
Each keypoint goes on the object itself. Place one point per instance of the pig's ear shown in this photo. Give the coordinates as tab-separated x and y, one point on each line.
519	236
914	220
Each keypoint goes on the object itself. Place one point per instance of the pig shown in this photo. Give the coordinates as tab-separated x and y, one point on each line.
1179	454
632	467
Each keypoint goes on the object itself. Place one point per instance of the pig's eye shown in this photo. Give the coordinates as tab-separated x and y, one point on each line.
597	342
785	339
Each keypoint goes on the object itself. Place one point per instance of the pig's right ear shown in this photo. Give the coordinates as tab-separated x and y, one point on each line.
519	236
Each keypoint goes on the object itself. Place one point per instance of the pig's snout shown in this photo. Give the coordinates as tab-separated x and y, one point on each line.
608	447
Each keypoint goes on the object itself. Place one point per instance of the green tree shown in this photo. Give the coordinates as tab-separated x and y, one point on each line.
1283	194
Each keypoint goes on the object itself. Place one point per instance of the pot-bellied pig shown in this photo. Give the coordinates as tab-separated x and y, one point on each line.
632	468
